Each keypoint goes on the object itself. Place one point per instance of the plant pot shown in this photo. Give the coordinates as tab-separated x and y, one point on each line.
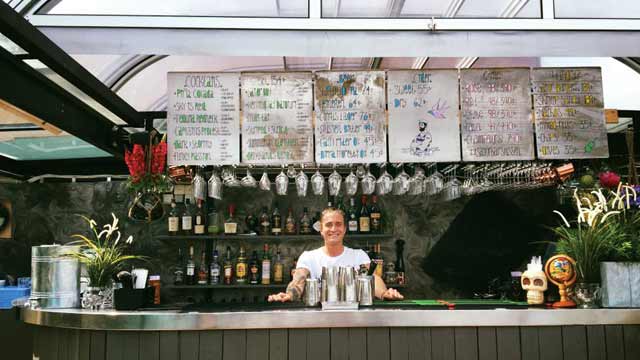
620	284
587	295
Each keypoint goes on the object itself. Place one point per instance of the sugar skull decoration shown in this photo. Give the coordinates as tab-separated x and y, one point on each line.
534	281
561	270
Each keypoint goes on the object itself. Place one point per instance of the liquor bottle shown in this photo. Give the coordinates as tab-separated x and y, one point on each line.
254	270
173	220
265	222
251	224
213	220
305	223
339	203
231	224
316	223
379	261
191	268
187	218
400	261
266	266
228	267
202	270
276	221
199	220
278	269
376	216
290	223
364	220
214	269
241	267
178	274
352	217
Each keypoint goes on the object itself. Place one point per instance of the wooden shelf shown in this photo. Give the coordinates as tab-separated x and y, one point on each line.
270	237
232	286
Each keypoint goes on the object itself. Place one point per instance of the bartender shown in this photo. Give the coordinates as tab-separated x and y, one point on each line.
333	253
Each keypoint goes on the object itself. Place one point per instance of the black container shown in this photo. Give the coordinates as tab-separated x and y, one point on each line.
132	299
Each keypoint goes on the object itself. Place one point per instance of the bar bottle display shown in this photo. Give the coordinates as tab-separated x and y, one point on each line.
214	269
352	217
266	266
228	267
199	220
202	270
254	270
187	219
364	221
231	223
265	222
191	268
290	224
173	220
178	274
278	269
213	220
276	221
376	216
400	262
241	267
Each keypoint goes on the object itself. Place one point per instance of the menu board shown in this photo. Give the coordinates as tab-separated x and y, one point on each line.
350	117
203	122
496	114
568	107
277	118
423	116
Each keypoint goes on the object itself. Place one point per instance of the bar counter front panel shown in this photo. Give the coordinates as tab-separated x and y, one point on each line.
313	334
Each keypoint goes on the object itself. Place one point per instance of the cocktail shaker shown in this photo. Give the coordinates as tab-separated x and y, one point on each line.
365	289
311	292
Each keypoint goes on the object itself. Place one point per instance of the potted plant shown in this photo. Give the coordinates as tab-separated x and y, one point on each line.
620	270
103	254
589	240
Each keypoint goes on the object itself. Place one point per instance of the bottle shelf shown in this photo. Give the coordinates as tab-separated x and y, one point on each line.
232	286
270	237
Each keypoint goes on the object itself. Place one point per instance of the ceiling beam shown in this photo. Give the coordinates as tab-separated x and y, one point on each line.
11	114
33	93
20	31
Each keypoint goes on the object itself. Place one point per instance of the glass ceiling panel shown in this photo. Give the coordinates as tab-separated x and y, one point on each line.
397	63
258	8
488	62
603	9
342	63
37	145
442	63
427	9
96	64
307	63
147	91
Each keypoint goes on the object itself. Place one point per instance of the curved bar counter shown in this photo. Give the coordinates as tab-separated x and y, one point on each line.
302	333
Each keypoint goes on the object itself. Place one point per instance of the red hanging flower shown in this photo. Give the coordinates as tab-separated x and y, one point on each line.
146	166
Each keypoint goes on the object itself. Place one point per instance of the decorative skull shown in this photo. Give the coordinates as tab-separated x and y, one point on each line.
534	281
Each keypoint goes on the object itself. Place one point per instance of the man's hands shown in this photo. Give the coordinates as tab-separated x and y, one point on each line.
392	294
281	297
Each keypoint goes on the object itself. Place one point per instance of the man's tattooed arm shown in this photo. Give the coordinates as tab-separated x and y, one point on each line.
296	286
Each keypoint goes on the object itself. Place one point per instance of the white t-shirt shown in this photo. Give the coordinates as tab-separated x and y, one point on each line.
314	260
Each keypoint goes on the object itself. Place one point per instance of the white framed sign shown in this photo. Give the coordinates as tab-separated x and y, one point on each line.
423	115
277	118
203	120
350	117
569	113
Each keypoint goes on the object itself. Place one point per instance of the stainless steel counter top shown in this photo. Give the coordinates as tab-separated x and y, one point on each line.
316	318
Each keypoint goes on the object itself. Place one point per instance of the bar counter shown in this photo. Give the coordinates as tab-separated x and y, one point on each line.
310	333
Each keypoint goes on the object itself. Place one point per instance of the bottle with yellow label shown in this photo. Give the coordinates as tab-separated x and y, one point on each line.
241	267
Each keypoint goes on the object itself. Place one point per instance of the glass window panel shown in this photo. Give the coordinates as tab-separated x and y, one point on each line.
397	62
96	64
148	89
488	62
497	8
355	8
36	145
307	63
10	46
623	9
262	8
421	8
341	63
614	73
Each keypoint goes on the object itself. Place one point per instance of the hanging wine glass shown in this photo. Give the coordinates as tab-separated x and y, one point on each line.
302	183
317	183
282	183
215	186
351	184
368	183
335	181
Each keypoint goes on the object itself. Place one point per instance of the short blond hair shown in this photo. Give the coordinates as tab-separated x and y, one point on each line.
329	210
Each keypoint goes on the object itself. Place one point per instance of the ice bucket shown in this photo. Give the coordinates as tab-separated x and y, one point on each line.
55	277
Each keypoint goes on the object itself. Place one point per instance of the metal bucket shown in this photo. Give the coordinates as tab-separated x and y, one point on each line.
55	277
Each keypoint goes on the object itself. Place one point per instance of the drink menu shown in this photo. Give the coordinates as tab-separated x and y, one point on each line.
203	121
569	113
496	115
350	117
423	116
277	118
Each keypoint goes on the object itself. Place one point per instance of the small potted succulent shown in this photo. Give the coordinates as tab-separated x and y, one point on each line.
102	254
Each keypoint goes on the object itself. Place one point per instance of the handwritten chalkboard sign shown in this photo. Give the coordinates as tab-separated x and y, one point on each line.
350	117
569	113
277	118
423	116
203	121
496	114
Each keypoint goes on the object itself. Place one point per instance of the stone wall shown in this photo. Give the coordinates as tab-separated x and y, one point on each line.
47	213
